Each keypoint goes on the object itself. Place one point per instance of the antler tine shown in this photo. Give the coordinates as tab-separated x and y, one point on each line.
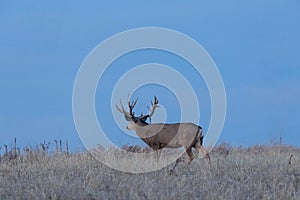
155	100
131	105
128	115
119	109
122	110
154	106
128	100
122	105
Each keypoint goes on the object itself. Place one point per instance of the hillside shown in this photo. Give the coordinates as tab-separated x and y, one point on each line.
257	172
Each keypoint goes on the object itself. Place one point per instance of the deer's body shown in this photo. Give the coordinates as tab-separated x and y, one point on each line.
158	136
176	135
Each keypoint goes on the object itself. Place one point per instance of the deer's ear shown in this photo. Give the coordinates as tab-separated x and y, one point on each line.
128	118
144	118
135	119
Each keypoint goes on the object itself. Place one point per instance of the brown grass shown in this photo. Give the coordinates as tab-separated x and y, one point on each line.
257	172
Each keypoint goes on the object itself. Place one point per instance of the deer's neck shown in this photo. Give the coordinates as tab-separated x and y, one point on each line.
141	129
141	123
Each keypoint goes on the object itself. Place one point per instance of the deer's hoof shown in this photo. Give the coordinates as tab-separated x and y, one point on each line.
171	171
179	160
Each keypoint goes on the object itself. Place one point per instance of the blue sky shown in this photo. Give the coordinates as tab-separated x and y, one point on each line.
255	45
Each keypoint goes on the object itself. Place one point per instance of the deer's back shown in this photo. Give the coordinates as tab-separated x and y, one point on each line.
170	135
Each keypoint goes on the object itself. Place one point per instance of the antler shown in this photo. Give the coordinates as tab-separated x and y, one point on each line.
128	115
131	105
154	106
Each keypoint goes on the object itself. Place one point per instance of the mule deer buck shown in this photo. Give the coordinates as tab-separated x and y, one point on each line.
158	136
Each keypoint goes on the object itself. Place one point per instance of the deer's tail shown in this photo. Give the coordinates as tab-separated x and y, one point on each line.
199	137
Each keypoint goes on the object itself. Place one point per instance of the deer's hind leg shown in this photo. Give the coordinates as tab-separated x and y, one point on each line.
189	152
201	149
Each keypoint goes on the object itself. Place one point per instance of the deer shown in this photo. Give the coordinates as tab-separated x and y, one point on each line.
159	135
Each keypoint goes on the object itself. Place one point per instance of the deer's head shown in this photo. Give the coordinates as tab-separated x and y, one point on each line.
129	116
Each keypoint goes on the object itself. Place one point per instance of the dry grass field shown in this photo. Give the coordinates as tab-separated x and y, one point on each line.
258	172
